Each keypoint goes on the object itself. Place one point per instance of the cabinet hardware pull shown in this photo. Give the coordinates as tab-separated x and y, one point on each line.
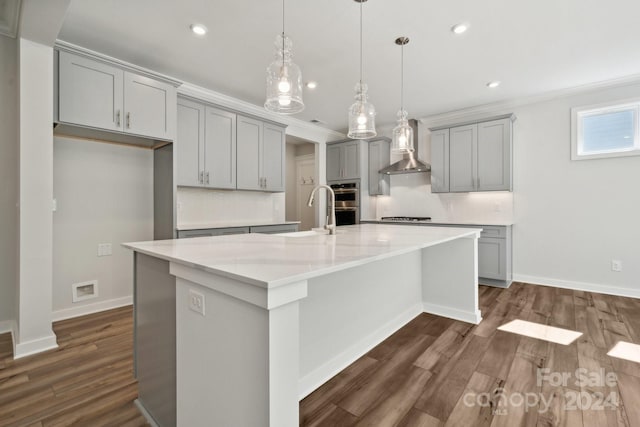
201	180
118	118
128	120
207	177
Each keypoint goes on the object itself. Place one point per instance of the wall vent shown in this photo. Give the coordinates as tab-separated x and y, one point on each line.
84	290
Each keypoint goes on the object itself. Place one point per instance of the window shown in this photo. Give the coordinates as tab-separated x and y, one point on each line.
610	130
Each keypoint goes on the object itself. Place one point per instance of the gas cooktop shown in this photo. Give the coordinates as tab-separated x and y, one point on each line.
406	218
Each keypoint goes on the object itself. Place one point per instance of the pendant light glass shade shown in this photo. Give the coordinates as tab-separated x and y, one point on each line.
402	141
362	114
284	79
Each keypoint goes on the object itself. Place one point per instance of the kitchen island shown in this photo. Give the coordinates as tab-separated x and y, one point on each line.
234	330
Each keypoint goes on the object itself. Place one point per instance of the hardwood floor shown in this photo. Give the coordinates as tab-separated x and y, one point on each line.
87	381
441	372
433	372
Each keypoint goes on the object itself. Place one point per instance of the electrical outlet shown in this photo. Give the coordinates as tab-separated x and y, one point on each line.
616	265
196	302
104	249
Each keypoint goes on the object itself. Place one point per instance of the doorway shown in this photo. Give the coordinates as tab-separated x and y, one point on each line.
301	178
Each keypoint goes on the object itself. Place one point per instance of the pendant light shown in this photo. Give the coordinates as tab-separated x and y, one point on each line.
362	114
284	79
402	141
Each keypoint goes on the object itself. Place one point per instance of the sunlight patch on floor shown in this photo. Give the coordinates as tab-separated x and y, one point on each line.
541	332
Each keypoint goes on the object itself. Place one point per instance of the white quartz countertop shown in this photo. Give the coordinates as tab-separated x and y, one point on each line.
231	224
271	260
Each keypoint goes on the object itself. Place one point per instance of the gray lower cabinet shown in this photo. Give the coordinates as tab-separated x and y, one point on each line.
155	337
472	157
262	229
275	229
212	232
494	252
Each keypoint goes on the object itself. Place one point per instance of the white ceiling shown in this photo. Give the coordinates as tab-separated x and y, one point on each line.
531	46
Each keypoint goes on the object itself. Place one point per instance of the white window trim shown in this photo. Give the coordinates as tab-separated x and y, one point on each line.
608	106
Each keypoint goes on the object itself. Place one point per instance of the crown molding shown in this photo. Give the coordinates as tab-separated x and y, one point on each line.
295	127
501	106
79	50
9	14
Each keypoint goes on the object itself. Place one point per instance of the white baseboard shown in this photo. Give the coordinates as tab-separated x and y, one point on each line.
453	313
328	370
147	416
577	286
83	310
23	349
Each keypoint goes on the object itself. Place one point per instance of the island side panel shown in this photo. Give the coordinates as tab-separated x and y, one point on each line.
237	363
349	312
450	279
155	338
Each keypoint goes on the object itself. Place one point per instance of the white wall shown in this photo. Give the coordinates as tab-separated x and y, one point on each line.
8	179
572	217
104	194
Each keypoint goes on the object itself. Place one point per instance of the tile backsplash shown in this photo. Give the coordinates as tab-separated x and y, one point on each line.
411	195
202	206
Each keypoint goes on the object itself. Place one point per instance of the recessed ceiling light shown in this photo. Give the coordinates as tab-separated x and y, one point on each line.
460	28
312	85
494	84
198	29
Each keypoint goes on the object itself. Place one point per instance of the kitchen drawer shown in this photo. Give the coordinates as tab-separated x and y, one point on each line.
275	229
212	232
493	231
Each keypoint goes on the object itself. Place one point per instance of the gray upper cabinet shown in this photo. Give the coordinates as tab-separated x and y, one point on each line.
89	92
219	148
334	162
206	147
440	161
494	155
472	157
261	155
463	141
379	158
149	107
273	157
101	95
249	153
190	144
343	161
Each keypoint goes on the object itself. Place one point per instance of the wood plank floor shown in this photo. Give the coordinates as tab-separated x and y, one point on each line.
420	376
440	372
87	381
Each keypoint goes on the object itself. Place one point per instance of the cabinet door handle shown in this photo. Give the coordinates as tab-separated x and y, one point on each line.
206	177
201	180
128	120
118	118
265	182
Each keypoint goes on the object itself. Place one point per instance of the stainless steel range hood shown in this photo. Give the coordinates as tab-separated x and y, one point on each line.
410	162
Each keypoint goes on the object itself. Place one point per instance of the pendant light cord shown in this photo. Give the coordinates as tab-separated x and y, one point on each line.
402	77
283	34
361	46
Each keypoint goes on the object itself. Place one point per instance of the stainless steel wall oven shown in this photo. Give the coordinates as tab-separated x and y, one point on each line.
347	202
